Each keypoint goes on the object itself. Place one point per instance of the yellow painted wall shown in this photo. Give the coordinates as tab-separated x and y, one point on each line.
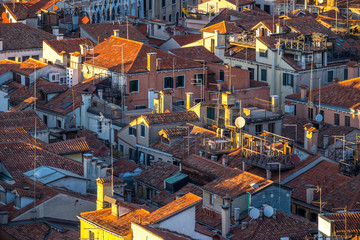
100	234
217	6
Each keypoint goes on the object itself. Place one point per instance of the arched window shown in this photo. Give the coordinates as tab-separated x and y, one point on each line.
170	18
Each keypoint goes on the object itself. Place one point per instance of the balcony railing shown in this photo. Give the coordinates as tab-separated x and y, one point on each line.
243	40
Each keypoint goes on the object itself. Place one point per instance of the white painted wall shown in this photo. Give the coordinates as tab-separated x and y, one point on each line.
61	206
73	184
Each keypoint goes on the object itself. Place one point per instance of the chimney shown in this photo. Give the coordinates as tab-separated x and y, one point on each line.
103	189
83	49
179	195
237	215
151	97
166	100
353	70
128	195
225	217
100	94
309	193
151	62
60	37
225	160
268	174
305	2
1	44
303	91
325	141
87	157
17	59
189	100
311	135
55	30
244	166
116	32
4	217
158	63
275	103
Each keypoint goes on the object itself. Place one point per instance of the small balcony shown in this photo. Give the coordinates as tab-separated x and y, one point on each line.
243	40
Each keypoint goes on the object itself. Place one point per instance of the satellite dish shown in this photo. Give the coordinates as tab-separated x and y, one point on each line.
240	122
268	211
319	118
255	213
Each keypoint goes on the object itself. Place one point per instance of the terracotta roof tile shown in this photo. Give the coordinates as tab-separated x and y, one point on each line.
18	93
284	225
18	158
16	135
77	145
155	175
173	132
341	94
120	225
235	184
102	31
29	66
23	105
177	148
196	53
165	197
307	26
338	190
345	223
241	53
163	234
98	148
23	119
172	208
108	55
172	117
223	27
68	45
124	166
27	231
60	103
18	36
48	87
7	65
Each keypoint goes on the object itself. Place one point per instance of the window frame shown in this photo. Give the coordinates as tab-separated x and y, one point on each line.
132	131
196	79
176	81
263	70
262	53
133	80
142	131
347	121
165	81
310	113
183	103
336	119
288	80
346	74
328	76
99	126
222	75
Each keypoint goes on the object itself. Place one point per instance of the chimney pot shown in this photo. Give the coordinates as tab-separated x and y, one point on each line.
60	37
189	100
309	193
116	32
303	91
1	44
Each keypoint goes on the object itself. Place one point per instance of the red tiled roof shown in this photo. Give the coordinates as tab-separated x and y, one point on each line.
39	230
172	208
186	39
18	36
235	184
68	45
18	93
223	27
48	87
173	132
177	148
155	175
172	117
119	225
23	105
18	158
23	119
59	103
284	225
338	190
155	42
7	65
241	53
307	26
29	66
27	193
108	55
16	135
165	197
124	166
28	9
342	94
102	31
196	53
98	148
163	234
77	145
345	223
